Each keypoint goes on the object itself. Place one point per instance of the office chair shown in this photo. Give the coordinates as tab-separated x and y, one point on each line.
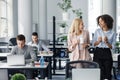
4	47
12	41
46	42
79	64
116	69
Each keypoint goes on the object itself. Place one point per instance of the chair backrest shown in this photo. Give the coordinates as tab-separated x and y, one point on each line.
46	42
12	41
118	61
79	64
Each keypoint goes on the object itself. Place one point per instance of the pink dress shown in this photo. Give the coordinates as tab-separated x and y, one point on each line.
77	53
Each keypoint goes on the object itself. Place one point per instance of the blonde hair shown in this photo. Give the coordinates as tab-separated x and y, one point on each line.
74	29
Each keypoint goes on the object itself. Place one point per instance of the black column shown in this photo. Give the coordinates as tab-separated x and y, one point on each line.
54	40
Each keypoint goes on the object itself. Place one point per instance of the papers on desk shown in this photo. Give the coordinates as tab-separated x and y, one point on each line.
37	64
45	53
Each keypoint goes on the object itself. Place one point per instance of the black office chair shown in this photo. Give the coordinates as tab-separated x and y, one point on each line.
12	41
116	69
79	64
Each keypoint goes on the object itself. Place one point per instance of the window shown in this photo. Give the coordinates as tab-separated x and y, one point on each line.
94	10
3	18
118	17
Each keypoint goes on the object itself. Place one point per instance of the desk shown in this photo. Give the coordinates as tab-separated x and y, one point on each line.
115	57
58	46
4	68
57	54
49	57
4	54
4	46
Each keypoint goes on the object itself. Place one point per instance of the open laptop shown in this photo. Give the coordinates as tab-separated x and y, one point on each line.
16	60
86	74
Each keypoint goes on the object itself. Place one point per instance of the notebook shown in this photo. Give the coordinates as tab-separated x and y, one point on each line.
15	60
86	74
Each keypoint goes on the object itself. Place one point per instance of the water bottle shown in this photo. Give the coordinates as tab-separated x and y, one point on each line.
42	61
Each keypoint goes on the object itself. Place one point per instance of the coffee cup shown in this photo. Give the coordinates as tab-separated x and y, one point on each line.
103	38
81	40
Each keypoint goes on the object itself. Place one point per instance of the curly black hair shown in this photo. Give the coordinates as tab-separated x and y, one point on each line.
107	19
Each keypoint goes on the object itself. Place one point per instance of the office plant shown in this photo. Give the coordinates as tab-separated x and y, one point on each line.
78	12
62	27
18	76
63	24
65	5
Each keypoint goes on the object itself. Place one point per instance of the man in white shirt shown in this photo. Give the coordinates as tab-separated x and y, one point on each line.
37	43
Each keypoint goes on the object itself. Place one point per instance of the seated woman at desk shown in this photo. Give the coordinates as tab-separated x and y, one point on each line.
37	43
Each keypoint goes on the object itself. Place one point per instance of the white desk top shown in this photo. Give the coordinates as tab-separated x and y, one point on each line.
6	46
57	46
51	54
4	54
5	65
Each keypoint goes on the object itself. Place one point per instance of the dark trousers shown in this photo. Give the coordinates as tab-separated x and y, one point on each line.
103	57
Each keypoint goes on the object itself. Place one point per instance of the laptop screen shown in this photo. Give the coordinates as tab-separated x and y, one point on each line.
15	60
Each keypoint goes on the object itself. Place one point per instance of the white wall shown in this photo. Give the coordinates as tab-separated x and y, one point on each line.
109	7
83	4
39	10
35	15
15	18
54	10
46	29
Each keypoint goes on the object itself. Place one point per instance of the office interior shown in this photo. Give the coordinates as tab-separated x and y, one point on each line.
44	17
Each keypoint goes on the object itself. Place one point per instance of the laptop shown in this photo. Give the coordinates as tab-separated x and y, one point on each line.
15	60
86	74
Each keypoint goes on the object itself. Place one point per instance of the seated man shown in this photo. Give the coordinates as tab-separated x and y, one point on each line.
37	43
22	48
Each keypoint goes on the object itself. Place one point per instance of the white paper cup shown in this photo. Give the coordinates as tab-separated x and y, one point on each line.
81	40
103	38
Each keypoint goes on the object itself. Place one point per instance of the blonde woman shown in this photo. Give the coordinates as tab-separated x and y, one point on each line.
78	41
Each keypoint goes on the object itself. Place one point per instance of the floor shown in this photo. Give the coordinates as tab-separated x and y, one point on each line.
58	77
59	74
62	71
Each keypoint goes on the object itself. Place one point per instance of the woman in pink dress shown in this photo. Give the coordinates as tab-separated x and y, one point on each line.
78	41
